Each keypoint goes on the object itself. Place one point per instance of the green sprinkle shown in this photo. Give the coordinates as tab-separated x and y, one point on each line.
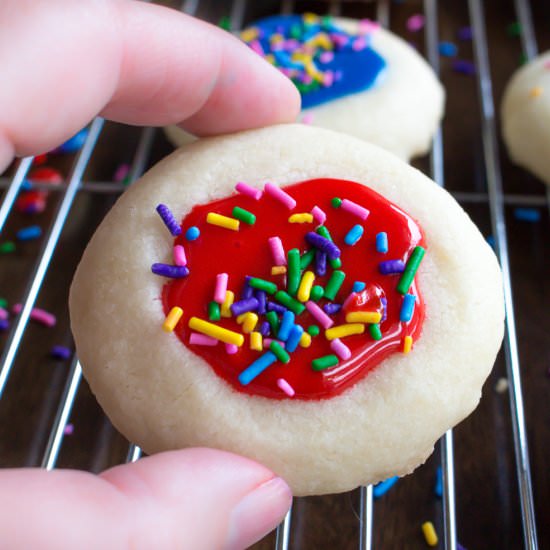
375	331
295	31
7	248
262	284
244	215
410	270
326	21
334	284
313	330
279	352
225	23
324	232
307	258
336	202
325	362
523	58
214	311
336	263
316	293
293	271
273	321
3	303
514	29
289	302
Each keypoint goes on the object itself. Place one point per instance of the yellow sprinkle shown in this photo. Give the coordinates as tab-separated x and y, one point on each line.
270	58
321	40
222	221
278	270
249	34
407	344
305	340
429	533
363	317
299	56
276	38
210	329
304	290
172	319
536	91
250	322
305	217
225	310
312	71
342	331
309	17
241	318
256	341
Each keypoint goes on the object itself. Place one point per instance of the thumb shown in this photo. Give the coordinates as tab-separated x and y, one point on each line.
196	498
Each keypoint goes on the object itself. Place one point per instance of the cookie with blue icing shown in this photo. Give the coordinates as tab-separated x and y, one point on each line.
353	77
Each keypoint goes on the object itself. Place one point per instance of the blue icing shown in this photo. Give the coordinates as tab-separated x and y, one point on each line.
349	71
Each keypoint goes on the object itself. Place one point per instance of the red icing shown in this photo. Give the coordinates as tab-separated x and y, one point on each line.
247	252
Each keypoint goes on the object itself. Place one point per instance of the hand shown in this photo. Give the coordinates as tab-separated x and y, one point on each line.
62	63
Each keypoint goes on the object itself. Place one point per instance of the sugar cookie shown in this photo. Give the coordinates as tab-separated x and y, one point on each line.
293	295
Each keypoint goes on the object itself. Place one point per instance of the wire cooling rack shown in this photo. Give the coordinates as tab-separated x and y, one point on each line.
491	496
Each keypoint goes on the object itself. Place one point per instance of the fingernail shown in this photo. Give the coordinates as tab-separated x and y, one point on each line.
258	513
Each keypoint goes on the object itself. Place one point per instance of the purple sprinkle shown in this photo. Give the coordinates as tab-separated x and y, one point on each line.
459	546
464	67
277	308
465	33
4	324
384	302
60	352
243	306
261	296
172	271
331	309
248	291
68	429
169	220
265	328
319	242
389	267
320	263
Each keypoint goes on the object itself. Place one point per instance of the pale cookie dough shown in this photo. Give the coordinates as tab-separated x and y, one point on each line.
400	112
526	117
162	396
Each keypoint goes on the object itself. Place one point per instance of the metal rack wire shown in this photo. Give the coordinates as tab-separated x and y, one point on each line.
494	197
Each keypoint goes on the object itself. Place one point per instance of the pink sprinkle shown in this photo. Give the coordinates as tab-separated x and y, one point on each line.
339	40
277	250
267	342
280	195
355	209
324	320
68	429
221	287
348	300
359	44
306	78
340	349
38	314
415	22
231	349
248	190
121	172
307	118
326	57
318	214
3	314
286	387
547	64
202	339
179	255
286	72
328	79
257	47
367	26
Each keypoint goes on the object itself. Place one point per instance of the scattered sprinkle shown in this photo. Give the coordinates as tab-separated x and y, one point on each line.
313	330
308	117
277	250
353	235
121	173
319	215
214	311
7	247
319	315
231	349
514	29
68	429
391	267
380	489
171	271
256	341
225	310
527	214
358	286
29	233
222	221
536	91
382	242
415	22
341	331
363	317
465	33
221	287
257	367
341	350
407	344
60	352
430	535
355	209
244	215
280	195
306	284
215	331
502	385
303	217
179	255
169	220
410	269
336	202
172	319
407	308
40	315
249	191
325	362
4	324
202	339
293	275
316	293
438	487
3	314
464	66
447	49
375	332
285	387
334	284
192	234
278	270
279	351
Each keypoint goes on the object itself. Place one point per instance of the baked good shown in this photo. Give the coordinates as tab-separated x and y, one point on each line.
345	420
354	77
526	117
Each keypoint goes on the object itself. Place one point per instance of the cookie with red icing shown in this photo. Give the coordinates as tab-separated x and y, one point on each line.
293	295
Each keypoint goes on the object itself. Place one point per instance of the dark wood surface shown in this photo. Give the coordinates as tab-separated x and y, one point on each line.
488	514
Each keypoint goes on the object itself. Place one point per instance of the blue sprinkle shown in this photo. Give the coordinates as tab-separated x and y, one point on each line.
464	66
447	49
465	33
491	240
287	323
527	214
407	308
354	234
294	338
4	324
380	489
358	286
438	489
26	185
60	352
29	233
382	242
192	233
73	144
257	367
